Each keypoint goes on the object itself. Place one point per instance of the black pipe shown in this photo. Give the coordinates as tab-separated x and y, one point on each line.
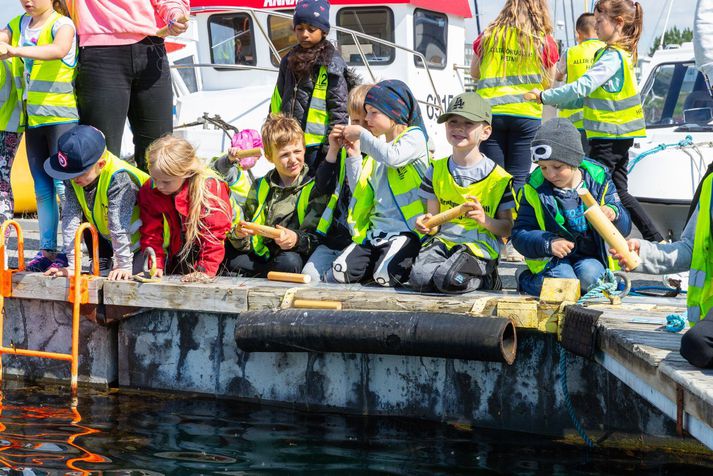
426	334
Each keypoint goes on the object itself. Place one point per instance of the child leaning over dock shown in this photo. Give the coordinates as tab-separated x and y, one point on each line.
551	230
186	211
102	190
385	201
286	198
463	255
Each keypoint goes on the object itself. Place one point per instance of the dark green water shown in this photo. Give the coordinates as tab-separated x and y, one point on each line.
130	434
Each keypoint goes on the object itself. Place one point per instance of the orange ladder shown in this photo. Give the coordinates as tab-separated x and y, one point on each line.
78	294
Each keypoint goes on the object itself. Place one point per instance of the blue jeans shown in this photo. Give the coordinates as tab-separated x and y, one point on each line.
587	270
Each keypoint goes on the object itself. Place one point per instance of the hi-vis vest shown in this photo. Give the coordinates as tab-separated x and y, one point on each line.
615	114
317	115
489	191
325	221
579	59
507	72
529	192
404	183
699	298
260	216
50	92
10	112
240	187
99	214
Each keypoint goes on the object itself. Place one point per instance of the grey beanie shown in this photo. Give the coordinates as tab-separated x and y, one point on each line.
557	139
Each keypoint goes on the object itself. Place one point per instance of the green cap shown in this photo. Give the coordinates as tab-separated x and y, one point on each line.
469	105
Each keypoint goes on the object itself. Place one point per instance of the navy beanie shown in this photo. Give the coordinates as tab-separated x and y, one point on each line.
393	98
312	12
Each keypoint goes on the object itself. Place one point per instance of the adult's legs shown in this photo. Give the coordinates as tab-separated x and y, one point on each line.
532	283
395	259
615	155
519	159
697	344
496	148
588	271
9	141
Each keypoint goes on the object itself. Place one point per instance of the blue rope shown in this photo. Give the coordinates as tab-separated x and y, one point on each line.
568	401
687	141
675	323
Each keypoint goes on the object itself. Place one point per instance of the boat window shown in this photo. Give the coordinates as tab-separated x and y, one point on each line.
430	37
676	94
282	35
231	39
188	75
373	21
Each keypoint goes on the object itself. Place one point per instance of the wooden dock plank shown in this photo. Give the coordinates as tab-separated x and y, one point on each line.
37	286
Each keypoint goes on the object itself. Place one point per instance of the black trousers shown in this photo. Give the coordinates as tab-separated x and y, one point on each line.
614	153
697	344
134	81
254	266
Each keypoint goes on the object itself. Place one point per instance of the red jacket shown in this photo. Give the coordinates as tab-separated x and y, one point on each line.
155	206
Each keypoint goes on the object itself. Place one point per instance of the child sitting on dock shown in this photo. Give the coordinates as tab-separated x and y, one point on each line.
385	202
551	230
463	255
333	227
186	211
288	199
100	189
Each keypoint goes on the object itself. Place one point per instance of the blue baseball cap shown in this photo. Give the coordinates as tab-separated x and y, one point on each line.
78	150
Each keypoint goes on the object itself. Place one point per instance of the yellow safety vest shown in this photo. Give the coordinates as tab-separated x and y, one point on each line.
317	115
699	298
325	221
489	191
240	187
260	215
616	114
11	116
507	72
404	183
99	214
579	59
50	92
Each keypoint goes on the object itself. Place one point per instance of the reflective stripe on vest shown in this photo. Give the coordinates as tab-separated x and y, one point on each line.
50	92
260	216
99	214
507	72
615	114
325	221
699	298
317	122
240	187
403	182
489	191
579	59
10	110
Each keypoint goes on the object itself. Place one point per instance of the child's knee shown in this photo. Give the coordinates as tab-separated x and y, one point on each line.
346	269
697	344
589	274
419	278
288	262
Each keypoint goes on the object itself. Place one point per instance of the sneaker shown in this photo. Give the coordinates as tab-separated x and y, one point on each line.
39	264
512	255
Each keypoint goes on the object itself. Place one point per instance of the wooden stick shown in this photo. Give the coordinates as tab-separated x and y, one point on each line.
241	154
289	277
448	215
262	230
316	304
607	230
163	32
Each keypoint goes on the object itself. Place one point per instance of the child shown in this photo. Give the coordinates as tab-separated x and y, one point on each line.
185	197
575	61
234	170
286	198
385	201
333	227
312	81
612	107
463	256
11	127
43	41
102	190
551	230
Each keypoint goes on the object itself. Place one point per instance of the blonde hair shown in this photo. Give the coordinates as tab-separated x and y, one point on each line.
633	16
355	100
60	6
531	19
177	158
278	131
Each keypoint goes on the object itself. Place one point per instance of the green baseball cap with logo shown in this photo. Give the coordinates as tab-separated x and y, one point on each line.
469	105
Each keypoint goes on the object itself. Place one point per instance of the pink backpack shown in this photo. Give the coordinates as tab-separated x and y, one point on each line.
244	140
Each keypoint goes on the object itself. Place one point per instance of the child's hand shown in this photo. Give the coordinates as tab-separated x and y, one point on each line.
197	277
608	212
476	212
353	149
336	138
534	95
559	247
232	154
159	273
119	275
634	247
423	229
58	272
288	239
8	51
242	232
352	133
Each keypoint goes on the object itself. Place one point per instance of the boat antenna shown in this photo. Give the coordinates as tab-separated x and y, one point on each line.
665	24
477	15
564	17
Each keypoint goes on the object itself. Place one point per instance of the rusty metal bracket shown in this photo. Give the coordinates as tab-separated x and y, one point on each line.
679	411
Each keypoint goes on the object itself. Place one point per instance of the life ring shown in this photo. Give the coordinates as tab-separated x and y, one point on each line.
23	187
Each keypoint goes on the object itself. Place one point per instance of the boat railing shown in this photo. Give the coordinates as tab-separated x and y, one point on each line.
354	34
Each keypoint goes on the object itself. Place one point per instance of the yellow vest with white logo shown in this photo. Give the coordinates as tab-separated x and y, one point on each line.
616	114
99	214
699	298
11	119
317	116
507	71
50	92
579	59
489	191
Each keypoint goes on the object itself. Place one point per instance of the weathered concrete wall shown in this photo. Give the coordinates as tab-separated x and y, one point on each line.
191	351
47	325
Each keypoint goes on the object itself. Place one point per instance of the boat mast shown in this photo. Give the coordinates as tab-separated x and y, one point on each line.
665	24
477	15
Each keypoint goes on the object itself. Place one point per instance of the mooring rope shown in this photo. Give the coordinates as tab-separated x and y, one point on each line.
675	323
685	142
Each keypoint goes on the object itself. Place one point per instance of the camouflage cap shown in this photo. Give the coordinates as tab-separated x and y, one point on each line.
469	105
